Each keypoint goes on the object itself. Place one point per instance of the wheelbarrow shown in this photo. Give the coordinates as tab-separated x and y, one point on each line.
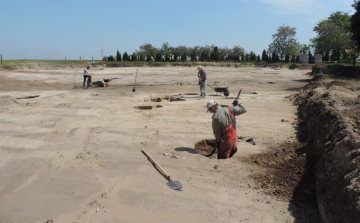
105	82
108	80
223	90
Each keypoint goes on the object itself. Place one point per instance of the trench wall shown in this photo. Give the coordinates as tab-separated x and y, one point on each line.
337	154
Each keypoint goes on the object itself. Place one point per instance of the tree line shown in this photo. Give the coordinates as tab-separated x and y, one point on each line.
337	38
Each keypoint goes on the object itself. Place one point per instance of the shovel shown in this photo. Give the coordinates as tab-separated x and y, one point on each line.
176	185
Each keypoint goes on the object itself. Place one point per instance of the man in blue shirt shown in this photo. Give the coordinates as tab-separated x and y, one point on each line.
87	74
202	81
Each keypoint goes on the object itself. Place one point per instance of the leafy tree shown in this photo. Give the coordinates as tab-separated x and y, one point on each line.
133	57
147	50
333	34
264	56
275	57
332	38
243	56
293	59
175	57
204	52
184	56
287	58
303	49
110	58
355	27
118	56
215	54
126	57
355	22
237	52
158	56
311	58
193	53
284	42
166	50
327	56
258	58
225	53
252	56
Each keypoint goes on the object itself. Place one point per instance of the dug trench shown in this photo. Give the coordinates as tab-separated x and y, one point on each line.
319	173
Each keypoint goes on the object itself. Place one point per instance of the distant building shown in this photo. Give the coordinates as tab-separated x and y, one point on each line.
317	58
304	58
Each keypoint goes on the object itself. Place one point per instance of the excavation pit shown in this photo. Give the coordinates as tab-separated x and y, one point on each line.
206	147
148	107
191	94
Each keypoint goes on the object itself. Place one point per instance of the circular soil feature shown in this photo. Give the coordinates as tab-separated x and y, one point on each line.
144	107
206	147
191	94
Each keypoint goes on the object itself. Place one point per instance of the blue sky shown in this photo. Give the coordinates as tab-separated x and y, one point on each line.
54	29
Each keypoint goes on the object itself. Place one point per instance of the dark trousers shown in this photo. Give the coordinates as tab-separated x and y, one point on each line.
88	81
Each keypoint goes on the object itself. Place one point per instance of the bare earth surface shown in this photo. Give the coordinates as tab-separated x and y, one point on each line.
74	155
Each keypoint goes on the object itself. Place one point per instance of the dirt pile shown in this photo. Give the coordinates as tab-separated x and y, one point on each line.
332	113
206	147
336	70
289	174
318	68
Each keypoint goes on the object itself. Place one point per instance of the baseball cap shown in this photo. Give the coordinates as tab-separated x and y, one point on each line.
210	104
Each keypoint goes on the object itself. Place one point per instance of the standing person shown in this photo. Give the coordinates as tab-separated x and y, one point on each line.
224	127
87	74
202	81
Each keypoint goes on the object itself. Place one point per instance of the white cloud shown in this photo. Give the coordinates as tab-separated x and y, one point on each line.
294	6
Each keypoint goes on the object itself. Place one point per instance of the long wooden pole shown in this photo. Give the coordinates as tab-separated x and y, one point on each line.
156	164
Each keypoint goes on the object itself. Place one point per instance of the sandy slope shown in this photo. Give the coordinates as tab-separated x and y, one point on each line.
71	151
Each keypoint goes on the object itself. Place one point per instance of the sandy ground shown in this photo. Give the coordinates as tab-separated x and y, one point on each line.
74	155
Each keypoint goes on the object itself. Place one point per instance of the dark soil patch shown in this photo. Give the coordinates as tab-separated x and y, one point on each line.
288	175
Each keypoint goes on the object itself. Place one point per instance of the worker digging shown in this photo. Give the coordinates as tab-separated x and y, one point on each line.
224	126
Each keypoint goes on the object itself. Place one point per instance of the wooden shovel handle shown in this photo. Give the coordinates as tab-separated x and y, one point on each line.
238	95
156	164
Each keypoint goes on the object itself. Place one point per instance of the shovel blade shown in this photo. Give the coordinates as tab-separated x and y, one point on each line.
176	185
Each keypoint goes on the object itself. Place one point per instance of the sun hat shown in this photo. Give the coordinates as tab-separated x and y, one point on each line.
210	104
199	67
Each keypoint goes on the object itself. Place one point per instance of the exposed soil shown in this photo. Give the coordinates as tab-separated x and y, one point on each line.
82	147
